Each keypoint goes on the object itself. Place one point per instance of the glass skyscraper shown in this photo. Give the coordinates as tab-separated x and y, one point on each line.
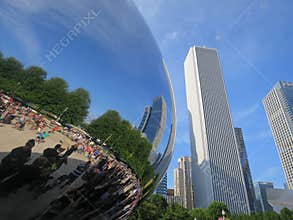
245	168
162	187
278	105
153	124
261	196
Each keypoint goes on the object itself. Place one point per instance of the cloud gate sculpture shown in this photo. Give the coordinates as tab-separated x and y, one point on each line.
87	114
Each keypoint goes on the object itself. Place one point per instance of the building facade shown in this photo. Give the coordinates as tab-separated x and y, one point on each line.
162	187
278	105
183	182
178	185
245	168
280	198
216	167
261	196
153	124
170	196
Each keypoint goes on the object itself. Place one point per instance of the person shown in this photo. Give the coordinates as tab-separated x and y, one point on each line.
16	159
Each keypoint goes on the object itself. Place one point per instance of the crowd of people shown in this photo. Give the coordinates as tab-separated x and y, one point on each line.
100	187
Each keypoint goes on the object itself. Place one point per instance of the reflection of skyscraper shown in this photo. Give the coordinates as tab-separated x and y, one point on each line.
261	196
162	187
145	118
183	183
216	167
153	123
279	109
245	168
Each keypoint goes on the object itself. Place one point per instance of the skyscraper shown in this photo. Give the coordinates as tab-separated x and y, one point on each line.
216	168
278	105
245	168
261	196
178	185
170	196
153	124
183	182
162	187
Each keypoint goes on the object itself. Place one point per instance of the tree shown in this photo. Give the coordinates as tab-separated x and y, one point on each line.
286	214
152	208
215	210
126	142
52	95
78	103
271	215
199	214
176	212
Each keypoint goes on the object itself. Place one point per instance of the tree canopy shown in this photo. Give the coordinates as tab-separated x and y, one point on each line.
155	208
126	142
52	95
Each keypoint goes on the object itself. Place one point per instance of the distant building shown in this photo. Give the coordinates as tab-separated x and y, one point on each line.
245	168
216	167
261	196
162	187
279	199
145	118
278	105
178	185
170	196
153	124
183	182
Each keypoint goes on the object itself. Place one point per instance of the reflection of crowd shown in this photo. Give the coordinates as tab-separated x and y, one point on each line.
102	186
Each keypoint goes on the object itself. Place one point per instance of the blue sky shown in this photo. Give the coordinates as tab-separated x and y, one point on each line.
114	56
254	40
253	37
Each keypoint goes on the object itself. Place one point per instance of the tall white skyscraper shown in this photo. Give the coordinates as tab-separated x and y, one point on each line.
278	105
216	168
183	182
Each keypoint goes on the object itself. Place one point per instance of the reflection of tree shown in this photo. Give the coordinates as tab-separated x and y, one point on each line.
127	142
51	95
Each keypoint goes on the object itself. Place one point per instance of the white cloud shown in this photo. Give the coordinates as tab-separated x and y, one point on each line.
149	8
265	134
270	174
23	31
182	138
245	113
171	35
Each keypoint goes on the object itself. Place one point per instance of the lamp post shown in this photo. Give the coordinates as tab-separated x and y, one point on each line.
61	114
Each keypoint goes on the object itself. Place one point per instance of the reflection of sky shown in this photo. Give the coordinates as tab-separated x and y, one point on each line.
114	57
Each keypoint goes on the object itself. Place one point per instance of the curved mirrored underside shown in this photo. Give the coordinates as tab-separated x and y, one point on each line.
87	115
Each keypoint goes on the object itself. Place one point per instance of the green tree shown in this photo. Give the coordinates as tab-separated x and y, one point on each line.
199	214
78	103
286	214
51	95
271	215
176	212
215	210
126	142
152	208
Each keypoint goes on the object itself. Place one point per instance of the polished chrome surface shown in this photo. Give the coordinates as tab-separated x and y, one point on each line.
105	48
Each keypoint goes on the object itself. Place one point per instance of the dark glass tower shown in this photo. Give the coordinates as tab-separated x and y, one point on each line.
162	187
153	124
245	168
261	196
